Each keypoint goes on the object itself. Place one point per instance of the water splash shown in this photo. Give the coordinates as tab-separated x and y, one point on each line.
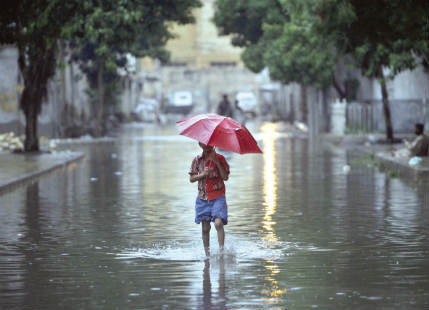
237	248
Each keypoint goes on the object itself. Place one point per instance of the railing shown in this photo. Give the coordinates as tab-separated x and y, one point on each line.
369	117
361	117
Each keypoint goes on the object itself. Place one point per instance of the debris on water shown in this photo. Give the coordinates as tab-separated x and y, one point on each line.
371	297
301	126
346	169
414	161
9	141
372	139
93	179
118	173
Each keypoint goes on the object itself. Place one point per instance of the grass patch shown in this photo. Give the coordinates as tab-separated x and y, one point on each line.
367	160
372	161
350	131
393	174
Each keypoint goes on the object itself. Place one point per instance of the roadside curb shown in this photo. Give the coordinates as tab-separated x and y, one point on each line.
380	153
399	164
52	162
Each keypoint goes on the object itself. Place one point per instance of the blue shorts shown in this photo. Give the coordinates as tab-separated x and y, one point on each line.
208	210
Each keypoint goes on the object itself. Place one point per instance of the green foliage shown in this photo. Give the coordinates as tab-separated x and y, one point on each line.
279	35
34	27
303	40
243	19
296	55
307	39
103	32
391	34
366	160
373	161
100	34
394	174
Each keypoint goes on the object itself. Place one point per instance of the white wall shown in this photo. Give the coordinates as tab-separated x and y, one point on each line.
406	85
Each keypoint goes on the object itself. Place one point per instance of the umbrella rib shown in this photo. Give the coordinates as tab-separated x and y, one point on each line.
194	125
211	135
221	131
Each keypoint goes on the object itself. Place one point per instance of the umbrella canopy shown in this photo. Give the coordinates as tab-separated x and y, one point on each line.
220	131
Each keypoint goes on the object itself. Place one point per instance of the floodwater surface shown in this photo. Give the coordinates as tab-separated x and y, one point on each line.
117	231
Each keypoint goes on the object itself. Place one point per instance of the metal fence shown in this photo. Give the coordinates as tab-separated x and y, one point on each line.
368	116
361	117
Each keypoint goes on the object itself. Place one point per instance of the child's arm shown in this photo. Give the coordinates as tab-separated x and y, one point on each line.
196	177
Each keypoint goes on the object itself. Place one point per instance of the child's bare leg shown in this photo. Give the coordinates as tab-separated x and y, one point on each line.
205	226
220	232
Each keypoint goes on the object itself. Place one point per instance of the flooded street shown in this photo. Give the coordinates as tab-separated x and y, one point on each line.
117	231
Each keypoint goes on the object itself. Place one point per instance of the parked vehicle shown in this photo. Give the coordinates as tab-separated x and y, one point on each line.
146	110
246	102
179	102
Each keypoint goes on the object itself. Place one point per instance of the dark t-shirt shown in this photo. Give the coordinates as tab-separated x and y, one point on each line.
420	146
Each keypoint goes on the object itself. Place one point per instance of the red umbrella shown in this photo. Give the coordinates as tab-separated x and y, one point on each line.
220	131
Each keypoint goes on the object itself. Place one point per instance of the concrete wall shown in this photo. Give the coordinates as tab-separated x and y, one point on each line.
408	98
202	62
66	103
199	44
206	83
131	91
368	115
9	91
408	85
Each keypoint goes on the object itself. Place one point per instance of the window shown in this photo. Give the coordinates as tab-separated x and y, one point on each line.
223	63
177	64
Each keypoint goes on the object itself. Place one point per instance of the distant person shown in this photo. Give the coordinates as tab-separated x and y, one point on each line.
420	145
237	106
224	108
239	113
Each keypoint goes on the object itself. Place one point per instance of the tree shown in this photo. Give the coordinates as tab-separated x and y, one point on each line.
306	44
34	26
104	32
378	35
279	35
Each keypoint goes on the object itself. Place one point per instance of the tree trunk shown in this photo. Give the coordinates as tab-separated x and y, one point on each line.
292	108
100	103
341	93
386	107
31	143
304	108
36	74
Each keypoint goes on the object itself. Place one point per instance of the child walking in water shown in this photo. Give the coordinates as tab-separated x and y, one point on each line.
210	170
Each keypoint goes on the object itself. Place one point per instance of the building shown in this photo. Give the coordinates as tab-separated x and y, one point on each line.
201	62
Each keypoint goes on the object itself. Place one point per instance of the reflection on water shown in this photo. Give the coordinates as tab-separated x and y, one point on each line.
214	299
270	180
269	131
116	231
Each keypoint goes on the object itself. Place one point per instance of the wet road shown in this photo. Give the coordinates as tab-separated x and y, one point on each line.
116	231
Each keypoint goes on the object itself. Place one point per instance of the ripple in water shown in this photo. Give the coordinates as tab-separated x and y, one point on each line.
237	248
